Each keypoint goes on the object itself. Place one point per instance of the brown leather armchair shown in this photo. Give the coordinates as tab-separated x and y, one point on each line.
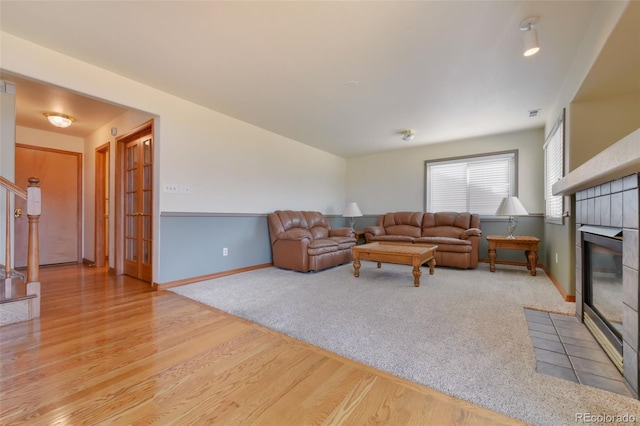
304	241
457	235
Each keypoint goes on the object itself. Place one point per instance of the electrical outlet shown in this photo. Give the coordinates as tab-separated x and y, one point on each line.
171	188
225	252
185	189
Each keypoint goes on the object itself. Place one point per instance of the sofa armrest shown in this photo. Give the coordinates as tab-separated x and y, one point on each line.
295	234
471	232
373	231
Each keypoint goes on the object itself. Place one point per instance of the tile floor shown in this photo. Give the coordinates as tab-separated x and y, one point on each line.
565	348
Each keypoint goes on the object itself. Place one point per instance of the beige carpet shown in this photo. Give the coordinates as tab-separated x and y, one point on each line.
461	332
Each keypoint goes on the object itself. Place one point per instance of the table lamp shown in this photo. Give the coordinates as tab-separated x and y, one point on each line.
512	207
352	210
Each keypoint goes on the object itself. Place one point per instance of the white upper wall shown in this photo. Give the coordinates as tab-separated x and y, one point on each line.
394	181
230	166
42	139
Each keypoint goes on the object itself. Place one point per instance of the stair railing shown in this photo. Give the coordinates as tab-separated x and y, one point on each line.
33	197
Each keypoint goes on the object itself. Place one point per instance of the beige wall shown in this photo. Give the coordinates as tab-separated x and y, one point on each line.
230	166
394	181
598	113
40	138
600	123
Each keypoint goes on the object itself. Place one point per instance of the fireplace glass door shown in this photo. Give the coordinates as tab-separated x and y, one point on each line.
603	286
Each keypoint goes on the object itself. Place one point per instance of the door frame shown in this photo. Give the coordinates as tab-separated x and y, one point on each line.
119	201
79	194
101	230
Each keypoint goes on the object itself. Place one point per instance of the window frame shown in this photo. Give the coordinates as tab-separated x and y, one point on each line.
514	152
559	126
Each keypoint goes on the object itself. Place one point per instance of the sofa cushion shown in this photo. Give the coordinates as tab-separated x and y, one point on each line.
443	231
322	246
344	242
447	244
292	219
402	223
459	220
393	238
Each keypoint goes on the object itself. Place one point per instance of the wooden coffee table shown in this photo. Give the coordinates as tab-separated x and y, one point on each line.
402	254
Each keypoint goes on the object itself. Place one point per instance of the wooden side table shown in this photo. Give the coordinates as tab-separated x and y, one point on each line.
528	244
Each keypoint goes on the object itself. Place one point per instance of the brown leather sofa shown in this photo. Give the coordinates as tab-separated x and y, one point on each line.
304	241
457	235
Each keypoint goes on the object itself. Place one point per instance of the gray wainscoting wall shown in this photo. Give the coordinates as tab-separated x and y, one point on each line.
192	243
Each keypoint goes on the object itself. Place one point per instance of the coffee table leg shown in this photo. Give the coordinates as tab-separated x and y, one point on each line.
416	272
432	265
492	259
356	267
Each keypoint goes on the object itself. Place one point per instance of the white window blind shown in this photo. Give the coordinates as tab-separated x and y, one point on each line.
554	170
470	184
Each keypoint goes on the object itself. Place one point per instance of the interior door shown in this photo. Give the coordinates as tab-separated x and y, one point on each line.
138	207
60	223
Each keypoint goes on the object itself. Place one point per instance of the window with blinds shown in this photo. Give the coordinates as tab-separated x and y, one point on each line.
470	184
554	170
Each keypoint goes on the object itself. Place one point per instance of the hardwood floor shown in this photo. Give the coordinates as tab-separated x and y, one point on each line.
109	350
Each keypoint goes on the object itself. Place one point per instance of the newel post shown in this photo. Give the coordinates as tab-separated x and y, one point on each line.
33	245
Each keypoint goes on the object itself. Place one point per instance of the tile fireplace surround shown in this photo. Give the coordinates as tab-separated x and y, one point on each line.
606	194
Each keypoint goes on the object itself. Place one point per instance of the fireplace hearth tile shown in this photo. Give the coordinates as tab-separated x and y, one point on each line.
551	357
591	343
548	345
604	383
576	333
604	369
593	354
540	320
570	352
541	327
546	336
556	371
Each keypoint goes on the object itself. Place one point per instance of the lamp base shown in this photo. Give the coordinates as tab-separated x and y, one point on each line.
512	223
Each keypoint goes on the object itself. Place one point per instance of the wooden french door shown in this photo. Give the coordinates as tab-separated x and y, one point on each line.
138	207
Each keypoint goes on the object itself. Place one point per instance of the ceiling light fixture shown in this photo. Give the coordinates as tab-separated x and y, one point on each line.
531	46
408	135
59	120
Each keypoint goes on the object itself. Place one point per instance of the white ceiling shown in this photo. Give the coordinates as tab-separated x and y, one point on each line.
345	77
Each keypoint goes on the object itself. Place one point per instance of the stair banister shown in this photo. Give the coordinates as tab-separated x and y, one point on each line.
11	188
33	197
33	246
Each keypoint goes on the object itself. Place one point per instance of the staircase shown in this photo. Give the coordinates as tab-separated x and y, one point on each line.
20	295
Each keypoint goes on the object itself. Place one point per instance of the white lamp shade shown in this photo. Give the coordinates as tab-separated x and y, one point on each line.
352	210
511	206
